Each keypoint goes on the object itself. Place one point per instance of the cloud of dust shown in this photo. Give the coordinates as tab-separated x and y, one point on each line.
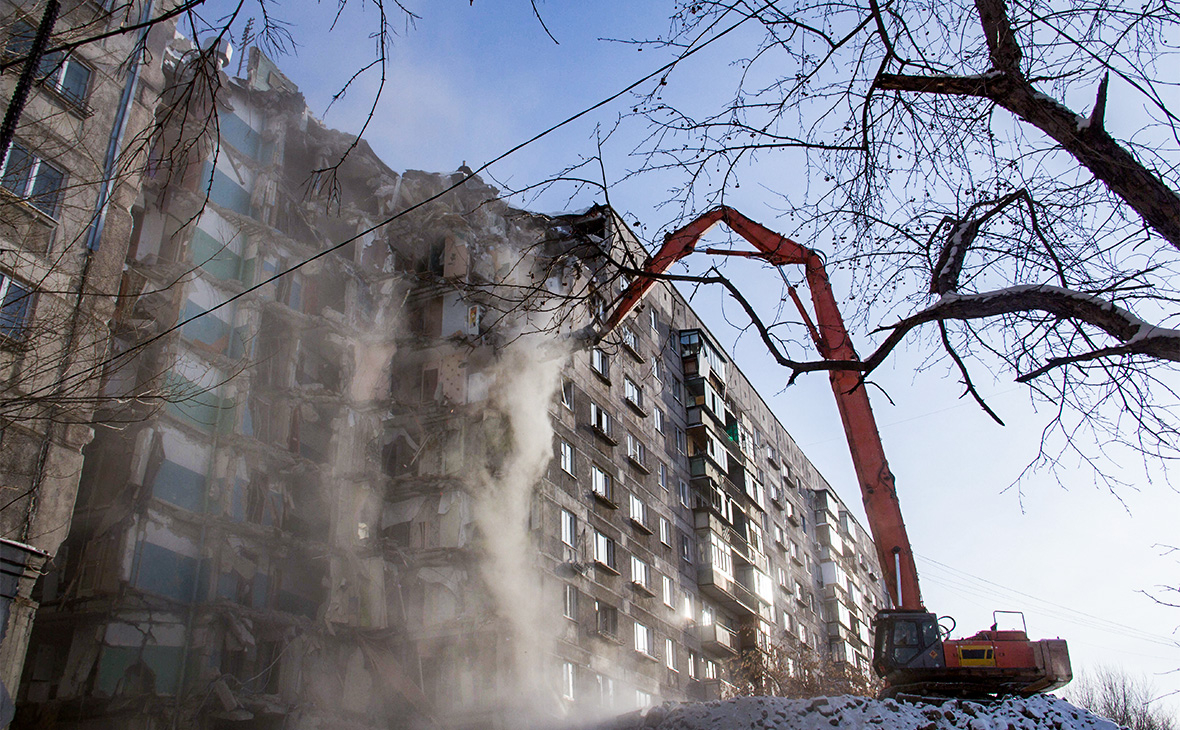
527	376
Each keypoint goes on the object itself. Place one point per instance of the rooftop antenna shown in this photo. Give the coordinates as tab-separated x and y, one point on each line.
247	39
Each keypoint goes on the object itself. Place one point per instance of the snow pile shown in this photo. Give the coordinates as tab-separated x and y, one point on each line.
1042	712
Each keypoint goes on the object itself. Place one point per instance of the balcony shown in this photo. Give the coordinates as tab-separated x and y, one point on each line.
718	641
718	689
701	467
728	593
829	536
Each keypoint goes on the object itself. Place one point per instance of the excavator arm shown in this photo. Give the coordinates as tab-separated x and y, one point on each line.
909	649
831	339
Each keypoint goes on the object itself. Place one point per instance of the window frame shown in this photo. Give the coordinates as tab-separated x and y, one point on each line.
632	392
602	483
566	456
641	573
14	328
600	363
636	451
569	528
569	601
30	179
644	640
53	69
601	420
606	619
569	675
605	551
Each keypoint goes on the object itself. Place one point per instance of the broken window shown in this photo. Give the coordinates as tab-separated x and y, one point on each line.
606	619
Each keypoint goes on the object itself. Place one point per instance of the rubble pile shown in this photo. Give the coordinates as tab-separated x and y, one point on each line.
1042	712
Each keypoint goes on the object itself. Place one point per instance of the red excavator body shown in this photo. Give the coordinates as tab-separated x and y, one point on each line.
910	650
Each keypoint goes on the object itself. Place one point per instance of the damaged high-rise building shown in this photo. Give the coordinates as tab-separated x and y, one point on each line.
359	475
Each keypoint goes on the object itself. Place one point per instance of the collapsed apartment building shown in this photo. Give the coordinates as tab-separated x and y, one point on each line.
381	490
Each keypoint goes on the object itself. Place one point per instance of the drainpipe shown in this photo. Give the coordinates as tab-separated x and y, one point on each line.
115	145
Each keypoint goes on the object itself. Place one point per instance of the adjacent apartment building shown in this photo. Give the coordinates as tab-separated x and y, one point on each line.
67	184
360	475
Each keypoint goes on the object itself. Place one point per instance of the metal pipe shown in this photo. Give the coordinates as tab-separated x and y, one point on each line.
115	144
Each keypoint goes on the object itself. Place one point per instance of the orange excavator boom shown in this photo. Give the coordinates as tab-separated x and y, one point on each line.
910	651
831	339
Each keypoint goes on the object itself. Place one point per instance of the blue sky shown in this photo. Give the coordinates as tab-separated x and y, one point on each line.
472	80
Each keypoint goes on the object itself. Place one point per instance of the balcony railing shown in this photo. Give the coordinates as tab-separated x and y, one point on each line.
718	640
726	591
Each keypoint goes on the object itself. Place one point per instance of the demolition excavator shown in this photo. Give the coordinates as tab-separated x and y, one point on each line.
912	651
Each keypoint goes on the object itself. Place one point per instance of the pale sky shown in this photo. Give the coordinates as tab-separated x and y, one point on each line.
471	80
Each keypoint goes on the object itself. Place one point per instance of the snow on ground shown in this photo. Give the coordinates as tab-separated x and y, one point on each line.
1042	712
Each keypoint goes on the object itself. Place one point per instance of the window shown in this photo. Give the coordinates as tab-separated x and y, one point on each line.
604	550
707	616
692	664
600	420
636	451
567	394
668	591
606	619
638	512
64	74
632	392
685	549
599	362
28	176
568	674
643	700
602	484
653	319
666	531
644	641
606	691
686	607
598	307
680	443
640	573
569	528
629	338
670	654
782	576
657	368
658	418
569	602
678	390
15	307
567	457
684	494
662	470
710	669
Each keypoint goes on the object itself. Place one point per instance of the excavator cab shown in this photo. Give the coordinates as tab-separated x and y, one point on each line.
906	641
912	655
